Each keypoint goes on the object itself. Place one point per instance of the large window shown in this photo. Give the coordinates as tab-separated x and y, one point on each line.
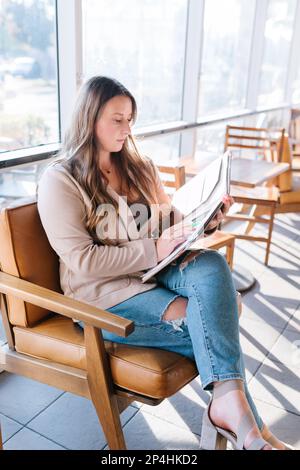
278	37
225	55
296	88
28	75
142	44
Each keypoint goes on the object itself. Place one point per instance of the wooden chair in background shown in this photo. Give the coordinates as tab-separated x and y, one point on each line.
289	182
172	176
261	143
262	200
294	133
255	142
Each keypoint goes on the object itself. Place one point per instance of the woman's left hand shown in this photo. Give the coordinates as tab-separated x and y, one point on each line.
227	201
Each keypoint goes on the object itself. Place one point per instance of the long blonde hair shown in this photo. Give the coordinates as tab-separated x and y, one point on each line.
79	151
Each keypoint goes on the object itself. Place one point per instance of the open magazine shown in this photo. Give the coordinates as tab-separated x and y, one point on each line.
198	200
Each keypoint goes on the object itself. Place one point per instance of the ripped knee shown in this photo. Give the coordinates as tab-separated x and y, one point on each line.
176	309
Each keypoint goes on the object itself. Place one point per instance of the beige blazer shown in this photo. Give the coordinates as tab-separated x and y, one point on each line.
97	274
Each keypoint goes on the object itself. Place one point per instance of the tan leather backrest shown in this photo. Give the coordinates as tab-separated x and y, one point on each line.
26	253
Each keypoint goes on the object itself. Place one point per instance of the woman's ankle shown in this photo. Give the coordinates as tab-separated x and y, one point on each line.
227	410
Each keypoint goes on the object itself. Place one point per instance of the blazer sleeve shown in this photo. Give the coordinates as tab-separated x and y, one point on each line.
62	212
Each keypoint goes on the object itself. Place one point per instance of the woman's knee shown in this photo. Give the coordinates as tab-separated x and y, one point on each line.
207	261
175	310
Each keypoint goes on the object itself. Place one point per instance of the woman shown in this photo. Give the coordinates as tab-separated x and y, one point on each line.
84	202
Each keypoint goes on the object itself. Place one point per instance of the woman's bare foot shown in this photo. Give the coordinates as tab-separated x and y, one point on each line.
273	440
227	411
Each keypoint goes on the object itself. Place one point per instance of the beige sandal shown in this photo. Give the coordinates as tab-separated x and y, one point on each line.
215	438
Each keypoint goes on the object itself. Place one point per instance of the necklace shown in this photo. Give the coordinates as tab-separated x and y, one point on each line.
106	171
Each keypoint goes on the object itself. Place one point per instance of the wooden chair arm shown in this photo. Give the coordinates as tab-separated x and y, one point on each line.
59	303
169	167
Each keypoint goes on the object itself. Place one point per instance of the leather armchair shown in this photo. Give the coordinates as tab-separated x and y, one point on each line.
44	344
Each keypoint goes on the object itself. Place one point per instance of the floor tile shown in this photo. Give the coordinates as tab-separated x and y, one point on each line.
29	440
72	422
184	409
148	432
294	323
245	254
286	350
256	342
273	308
282	284
21	398
277	385
8	427
284	425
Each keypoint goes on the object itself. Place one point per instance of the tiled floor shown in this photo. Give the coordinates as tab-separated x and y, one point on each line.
35	416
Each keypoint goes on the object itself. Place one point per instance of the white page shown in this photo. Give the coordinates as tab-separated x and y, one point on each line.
187	198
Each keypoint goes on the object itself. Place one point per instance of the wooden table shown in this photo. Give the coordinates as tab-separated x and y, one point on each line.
244	172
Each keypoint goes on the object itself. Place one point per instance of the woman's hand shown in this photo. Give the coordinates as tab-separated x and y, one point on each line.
171	238
227	201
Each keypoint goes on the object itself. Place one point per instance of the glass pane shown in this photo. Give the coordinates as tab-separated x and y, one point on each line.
278	37
211	138
161	148
296	88
28	74
20	182
141	44
225	56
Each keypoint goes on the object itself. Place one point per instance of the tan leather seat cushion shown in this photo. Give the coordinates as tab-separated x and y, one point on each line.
57	339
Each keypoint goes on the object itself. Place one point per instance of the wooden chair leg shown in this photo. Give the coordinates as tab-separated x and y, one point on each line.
271	224
229	253
101	389
253	213
1	446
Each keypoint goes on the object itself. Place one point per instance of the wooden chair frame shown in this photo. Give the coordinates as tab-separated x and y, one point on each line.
271	148
177	170
95	383
294	132
260	139
259	207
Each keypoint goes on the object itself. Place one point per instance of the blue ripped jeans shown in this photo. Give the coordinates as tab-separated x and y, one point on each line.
210	332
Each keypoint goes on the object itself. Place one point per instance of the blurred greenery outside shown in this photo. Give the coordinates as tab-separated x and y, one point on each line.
28	87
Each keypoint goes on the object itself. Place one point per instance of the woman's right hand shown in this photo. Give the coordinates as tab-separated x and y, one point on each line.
171	238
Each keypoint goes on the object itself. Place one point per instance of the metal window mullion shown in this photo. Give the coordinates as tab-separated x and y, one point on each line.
257	53
294	59
191	73
69	34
